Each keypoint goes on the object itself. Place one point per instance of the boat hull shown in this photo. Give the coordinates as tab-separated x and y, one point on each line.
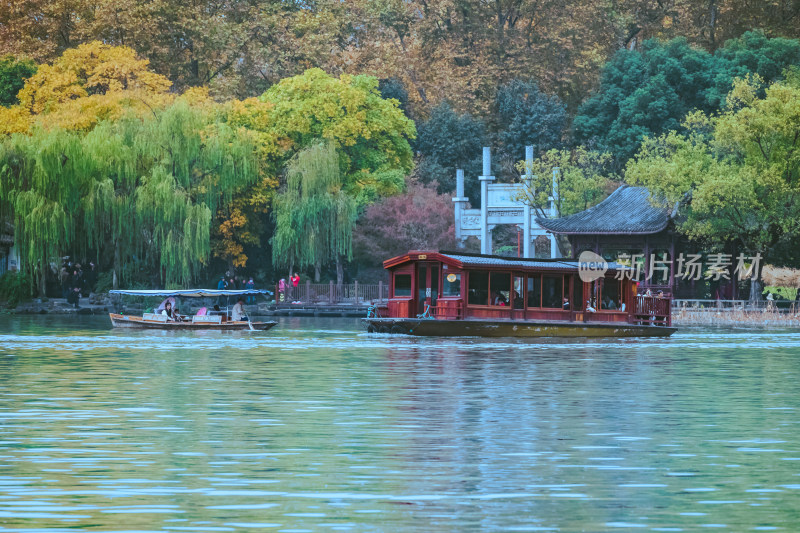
512	328
132	321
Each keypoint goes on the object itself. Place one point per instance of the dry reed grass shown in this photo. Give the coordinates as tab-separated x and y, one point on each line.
738	317
781	277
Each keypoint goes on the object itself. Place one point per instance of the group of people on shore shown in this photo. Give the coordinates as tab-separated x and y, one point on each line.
233	283
76	281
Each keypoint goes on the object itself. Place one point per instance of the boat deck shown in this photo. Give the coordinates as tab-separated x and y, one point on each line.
133	321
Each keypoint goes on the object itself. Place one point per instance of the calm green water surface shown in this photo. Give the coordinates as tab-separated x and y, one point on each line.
316	426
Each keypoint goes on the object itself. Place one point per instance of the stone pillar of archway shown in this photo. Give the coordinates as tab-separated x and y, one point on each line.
486	179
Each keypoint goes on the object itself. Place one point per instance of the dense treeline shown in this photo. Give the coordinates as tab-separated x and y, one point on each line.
166	137
101	160
460	50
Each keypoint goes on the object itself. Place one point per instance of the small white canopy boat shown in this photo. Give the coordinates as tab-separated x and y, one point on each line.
206	320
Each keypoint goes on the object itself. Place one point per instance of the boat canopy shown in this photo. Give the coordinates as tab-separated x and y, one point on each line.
191	293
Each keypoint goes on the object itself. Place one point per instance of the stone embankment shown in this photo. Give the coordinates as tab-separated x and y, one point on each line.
99	304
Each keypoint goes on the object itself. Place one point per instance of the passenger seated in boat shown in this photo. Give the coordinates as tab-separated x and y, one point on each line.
565	304
177	316
167	311
499	299
608	303
238	314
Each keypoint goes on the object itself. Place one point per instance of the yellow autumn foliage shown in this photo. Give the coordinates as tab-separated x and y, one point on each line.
49	87
255	116
83	114
14	119
87	84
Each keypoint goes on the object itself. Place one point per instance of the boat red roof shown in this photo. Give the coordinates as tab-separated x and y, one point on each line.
468	260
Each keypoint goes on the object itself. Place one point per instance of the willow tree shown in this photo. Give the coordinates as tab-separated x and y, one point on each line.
138	190
42	180
314	216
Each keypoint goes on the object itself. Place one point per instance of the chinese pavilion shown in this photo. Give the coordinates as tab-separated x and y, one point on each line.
627	227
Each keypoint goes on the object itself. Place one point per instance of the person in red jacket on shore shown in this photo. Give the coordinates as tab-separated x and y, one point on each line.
295	284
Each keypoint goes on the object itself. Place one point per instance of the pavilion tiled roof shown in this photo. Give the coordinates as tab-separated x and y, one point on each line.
628	211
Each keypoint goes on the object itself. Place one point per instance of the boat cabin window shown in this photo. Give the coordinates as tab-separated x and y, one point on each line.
552	291
451	285
611	294
478	288
500	285
534	291
518	295
402	284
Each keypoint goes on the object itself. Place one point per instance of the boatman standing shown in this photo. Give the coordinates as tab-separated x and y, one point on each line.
238	312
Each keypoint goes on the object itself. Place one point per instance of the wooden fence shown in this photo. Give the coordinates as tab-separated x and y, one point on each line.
332	294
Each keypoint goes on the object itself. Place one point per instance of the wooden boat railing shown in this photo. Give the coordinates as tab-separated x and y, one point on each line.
652	310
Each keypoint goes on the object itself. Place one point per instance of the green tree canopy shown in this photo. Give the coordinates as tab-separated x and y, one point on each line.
527	116
447	141
737	174
752	53
13	73
370	134
583	179
649	91
643	92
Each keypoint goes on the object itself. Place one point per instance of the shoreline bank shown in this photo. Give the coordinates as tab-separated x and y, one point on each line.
102	305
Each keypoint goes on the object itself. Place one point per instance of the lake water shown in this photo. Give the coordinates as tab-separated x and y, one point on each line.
316	426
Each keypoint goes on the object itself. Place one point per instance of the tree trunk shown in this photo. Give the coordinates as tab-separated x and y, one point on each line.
42	282
712	24
339	270
316	273
115	275
755	289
